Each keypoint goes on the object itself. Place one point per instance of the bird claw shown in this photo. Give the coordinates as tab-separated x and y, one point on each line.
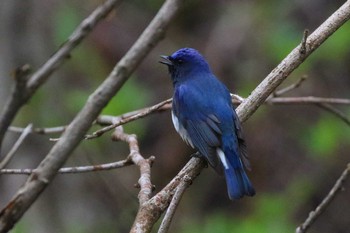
196	155
199	156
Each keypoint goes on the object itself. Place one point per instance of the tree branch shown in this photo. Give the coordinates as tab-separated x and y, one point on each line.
336	112
292	61
164	226
307	100
20	96
144	182
74	170
15	147
123	119
313	215
75	132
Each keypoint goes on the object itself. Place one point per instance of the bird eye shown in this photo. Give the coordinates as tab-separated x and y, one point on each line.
180	61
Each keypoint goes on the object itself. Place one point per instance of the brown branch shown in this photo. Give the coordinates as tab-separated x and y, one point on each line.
70	170
130	117
292	61
313	215
51	130
75	132
21	94
144	182
308	100
15	147
335	112
150	211
289	88
164	226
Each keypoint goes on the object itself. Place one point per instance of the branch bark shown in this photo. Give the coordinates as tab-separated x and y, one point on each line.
75	132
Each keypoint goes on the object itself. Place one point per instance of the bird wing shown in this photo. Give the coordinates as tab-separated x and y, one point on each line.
196	124
241	141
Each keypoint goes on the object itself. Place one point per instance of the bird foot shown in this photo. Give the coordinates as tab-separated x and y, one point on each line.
196	155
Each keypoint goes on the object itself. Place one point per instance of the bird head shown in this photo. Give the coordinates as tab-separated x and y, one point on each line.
184	63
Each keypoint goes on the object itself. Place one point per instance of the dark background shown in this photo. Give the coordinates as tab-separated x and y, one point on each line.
297	151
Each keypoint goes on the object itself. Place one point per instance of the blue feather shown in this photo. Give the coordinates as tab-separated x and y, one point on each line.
203	115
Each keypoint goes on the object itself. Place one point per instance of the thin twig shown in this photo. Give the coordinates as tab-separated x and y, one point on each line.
303	42
308	100
50	130
79	169
15	147
313	215
336	112
289	88
164	227
126	119
18	95
144	182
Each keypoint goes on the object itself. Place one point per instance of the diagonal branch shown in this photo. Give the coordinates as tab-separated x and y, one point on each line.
164	226
313	215
336	112
292	61
130	117
75	132
19	98
15	147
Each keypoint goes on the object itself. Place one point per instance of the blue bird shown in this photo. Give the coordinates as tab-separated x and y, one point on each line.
203	115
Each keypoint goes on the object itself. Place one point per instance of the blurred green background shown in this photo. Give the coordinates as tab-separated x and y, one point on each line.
297	151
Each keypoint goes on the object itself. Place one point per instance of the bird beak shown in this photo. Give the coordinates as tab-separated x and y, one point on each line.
166	60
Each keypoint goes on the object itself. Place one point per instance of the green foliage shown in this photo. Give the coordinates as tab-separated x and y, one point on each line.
66	19
323	138
335	48
131	97
282	40
271	215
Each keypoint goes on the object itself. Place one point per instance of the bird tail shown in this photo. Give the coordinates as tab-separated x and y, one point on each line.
237	181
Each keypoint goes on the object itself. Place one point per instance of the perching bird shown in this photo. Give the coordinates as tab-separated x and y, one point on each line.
205	118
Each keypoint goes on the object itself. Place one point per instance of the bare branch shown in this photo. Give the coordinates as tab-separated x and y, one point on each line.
336	112
70	170
15	147
51	130
130	117
185	182
289	88
75	132
313	215
21	95
292	61
150	211
307	100
145	184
